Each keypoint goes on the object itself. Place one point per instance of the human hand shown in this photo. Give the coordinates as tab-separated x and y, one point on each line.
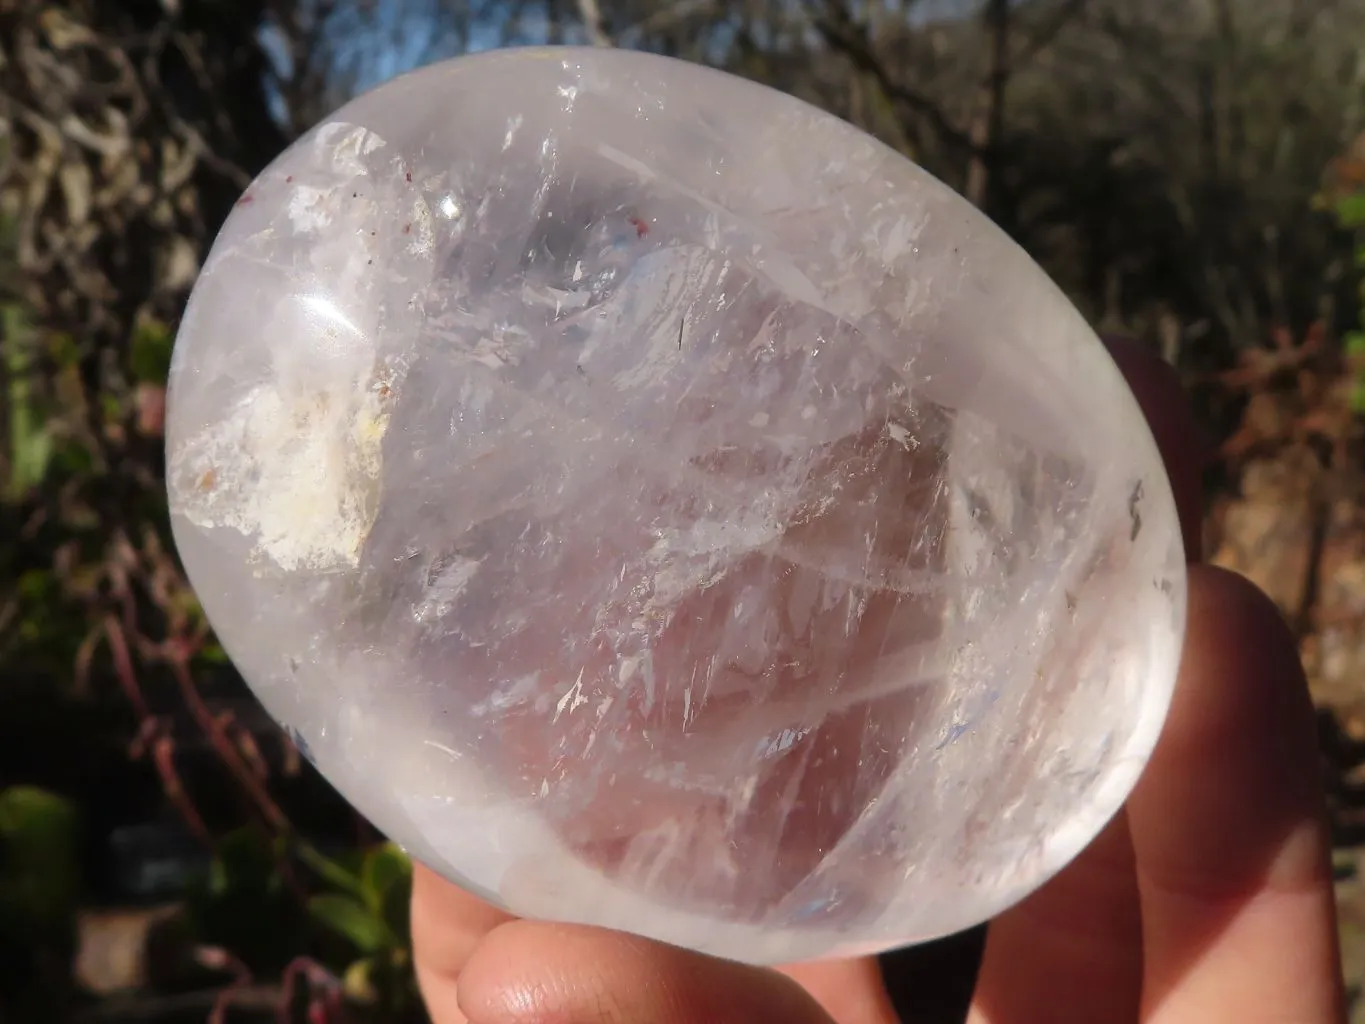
1208	898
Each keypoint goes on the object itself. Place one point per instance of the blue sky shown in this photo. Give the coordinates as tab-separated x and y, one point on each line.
398	36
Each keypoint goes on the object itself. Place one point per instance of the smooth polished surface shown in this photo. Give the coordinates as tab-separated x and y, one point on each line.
657	504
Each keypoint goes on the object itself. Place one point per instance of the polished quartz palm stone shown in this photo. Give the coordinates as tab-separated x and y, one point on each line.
657	504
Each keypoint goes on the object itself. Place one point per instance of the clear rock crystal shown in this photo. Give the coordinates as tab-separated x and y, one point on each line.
656	504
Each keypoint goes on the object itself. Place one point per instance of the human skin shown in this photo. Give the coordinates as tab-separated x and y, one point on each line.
1207	898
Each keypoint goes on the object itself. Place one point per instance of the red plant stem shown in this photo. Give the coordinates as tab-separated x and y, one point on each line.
217	958
163	756
161	748
222	744
123	667
246	743
316	976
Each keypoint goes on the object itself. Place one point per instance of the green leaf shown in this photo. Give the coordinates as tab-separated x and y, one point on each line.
37	586
30	457
244	902
31	446
1355	343
244	862
213	654
1351	211
351	919
111	407
39	853
387	876
150	359
385	867
40	821
73	460
331	871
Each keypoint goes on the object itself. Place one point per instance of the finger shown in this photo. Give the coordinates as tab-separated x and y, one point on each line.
447	924
850	991
1079	935
1082	930
529	973
1229	828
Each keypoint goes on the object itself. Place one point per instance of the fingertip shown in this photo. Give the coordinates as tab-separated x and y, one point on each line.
529	972
447	924
447	921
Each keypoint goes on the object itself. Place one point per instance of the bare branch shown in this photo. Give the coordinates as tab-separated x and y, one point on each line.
667	18
842	33
988	122
591	13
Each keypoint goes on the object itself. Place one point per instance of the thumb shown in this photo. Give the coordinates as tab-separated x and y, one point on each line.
526	973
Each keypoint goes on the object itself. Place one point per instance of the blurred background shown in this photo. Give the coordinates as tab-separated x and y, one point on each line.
1191	171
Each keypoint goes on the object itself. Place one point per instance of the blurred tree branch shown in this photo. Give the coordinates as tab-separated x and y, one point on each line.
987	130
851	37
593	23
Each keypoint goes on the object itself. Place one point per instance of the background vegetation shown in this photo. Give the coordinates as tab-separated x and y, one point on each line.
1191	171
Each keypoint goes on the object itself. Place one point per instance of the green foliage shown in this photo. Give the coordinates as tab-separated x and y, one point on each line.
30	441
150	355
42	400
371	913
39	857
350	918
78	474
40	889
270	900
96	618
1350	214
244	903
1355	356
